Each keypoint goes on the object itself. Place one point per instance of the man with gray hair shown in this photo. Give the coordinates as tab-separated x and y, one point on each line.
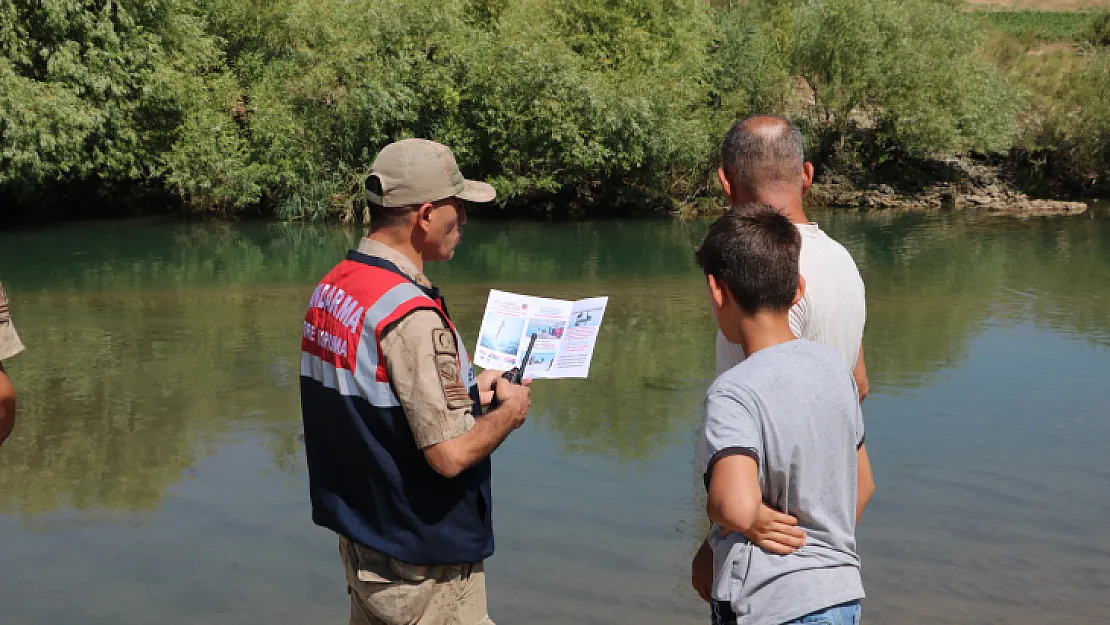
763	161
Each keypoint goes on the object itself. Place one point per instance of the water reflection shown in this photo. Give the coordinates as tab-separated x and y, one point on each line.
150	345
122	392
159	389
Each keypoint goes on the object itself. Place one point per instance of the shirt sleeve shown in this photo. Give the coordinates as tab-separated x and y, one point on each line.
422	359
10	345
730	427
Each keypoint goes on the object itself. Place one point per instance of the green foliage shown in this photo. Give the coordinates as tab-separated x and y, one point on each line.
1040	25
90	90
278	106
1071	125
749	70
1098	29
910	69
1064	143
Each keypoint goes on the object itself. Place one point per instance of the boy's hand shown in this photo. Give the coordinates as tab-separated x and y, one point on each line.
776	532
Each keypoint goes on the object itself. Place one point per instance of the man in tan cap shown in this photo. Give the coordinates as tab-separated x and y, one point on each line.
396	436
9	346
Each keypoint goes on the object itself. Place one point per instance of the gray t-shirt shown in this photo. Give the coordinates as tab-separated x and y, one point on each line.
793	408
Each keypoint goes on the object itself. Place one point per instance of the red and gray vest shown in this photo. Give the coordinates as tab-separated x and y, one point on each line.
369	480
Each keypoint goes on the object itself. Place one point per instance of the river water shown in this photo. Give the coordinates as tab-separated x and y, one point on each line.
156	474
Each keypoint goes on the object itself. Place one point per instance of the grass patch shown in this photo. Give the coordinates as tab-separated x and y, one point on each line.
1041	25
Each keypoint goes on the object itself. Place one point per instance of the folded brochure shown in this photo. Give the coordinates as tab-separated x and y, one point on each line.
566	333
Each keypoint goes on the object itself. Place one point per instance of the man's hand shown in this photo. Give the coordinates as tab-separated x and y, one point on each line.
487	380
515	400
451	457
701	572
776	532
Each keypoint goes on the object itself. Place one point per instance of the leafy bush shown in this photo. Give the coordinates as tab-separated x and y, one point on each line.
1068	130
1098	29
536	97
910	69
91	91
278	106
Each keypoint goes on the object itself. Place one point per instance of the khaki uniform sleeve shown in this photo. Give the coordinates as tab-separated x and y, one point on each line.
10	344
422	360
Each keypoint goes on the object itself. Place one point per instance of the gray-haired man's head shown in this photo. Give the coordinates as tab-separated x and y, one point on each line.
763	153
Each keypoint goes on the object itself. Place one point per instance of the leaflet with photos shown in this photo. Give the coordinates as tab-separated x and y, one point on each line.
566	333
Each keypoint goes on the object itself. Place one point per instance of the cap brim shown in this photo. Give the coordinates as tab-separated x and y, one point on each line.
474	191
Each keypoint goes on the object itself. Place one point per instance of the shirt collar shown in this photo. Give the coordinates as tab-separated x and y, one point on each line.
809	229
371	247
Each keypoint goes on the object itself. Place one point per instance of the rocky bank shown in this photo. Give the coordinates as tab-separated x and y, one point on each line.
956	183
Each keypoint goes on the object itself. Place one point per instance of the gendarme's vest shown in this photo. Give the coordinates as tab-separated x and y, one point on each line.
368	479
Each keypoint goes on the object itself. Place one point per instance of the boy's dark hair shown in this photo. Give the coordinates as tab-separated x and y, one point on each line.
753	250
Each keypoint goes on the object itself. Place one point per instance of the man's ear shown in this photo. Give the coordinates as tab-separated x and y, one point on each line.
424	216
718	292
807	176
801	290
726	186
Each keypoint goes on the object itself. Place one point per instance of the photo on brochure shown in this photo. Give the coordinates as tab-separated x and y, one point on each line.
505	333
545	329
540	361
587	318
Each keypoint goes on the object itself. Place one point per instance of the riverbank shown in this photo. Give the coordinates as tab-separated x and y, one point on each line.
956	183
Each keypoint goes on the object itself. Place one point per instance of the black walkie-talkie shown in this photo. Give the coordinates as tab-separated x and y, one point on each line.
516	374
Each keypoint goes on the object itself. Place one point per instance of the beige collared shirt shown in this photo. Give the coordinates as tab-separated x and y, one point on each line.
10	345
419	357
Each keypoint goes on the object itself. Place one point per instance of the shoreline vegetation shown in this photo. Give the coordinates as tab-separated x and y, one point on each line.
574	109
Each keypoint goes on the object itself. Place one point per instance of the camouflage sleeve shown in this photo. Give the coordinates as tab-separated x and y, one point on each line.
422	360
10	344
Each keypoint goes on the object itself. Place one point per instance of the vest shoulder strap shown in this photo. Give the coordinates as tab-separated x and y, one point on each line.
404	297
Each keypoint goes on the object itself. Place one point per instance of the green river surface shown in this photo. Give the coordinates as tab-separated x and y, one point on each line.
157	475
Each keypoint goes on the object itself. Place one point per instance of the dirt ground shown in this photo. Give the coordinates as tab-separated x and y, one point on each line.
1040	5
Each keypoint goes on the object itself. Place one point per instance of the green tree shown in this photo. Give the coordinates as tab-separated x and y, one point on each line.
909	69
100	90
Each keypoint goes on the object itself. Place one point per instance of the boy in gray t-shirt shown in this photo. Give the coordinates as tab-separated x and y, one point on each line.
783	428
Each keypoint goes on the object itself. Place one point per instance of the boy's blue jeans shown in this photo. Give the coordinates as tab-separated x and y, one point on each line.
843	614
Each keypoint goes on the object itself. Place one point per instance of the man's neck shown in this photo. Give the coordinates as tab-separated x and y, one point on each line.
785	201
400	241
763	330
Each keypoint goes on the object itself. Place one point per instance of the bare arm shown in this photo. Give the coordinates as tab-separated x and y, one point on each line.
865	484
734	495
860	374
7	405
453	456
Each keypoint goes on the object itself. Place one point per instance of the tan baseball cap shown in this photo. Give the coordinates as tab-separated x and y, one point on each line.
416	171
